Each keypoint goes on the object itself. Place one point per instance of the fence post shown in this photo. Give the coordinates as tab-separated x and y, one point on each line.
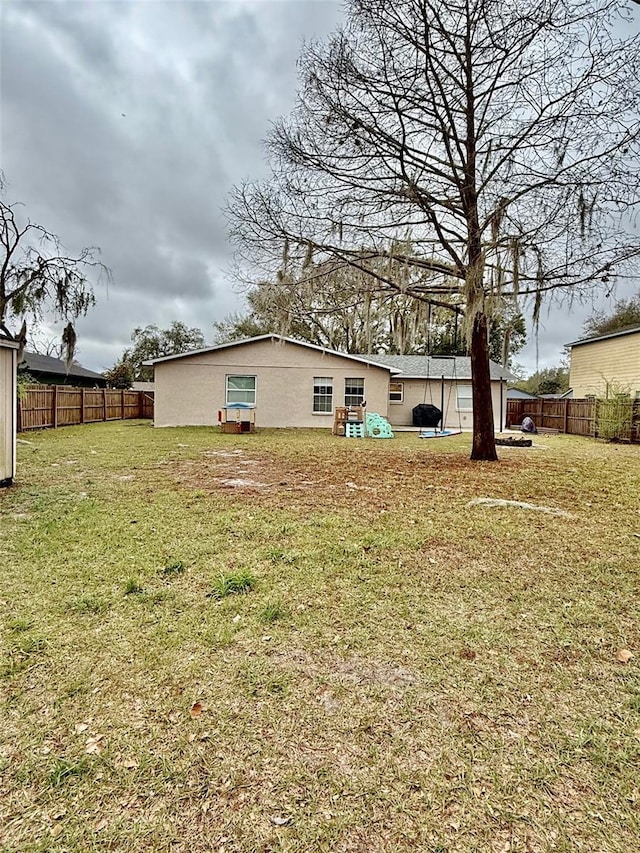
566	415
104	404
82	405
122	404
54	406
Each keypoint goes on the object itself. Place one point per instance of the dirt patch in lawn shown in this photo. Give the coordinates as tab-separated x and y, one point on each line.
373	480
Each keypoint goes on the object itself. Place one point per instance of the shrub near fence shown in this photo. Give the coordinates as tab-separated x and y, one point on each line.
612	419
51	406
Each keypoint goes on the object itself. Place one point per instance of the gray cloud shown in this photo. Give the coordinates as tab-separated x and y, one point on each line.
125	124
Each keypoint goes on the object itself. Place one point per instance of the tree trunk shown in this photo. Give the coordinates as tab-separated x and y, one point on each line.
484	443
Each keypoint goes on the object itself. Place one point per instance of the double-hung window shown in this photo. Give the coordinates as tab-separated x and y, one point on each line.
353	391
396	392
241	389
464	398
322	395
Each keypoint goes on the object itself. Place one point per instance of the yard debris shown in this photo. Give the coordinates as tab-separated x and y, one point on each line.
94	745
236	482
280	821
510	441
624	655
499	502
196	709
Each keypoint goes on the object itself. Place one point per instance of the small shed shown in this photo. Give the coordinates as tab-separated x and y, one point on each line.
8	410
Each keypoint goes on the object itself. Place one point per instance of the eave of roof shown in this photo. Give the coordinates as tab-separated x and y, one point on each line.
630	330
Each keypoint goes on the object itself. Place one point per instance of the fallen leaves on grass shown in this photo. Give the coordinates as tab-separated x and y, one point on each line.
95	745
624	655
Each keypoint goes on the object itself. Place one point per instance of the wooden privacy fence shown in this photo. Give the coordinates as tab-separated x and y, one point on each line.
42	406
613	419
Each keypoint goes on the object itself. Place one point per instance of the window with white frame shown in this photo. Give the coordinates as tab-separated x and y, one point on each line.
353	391
322	395
241	389
464	398
396	392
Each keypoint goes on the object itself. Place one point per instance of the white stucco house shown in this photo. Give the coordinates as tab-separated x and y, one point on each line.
296	384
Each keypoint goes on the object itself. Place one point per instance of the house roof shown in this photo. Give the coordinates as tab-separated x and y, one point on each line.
627	330
36	363
8	343
565	395
371	360
401	366
436	367
519	394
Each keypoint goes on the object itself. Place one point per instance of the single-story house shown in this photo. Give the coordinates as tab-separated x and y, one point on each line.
606	365
296	384
47	370
8	410
519	394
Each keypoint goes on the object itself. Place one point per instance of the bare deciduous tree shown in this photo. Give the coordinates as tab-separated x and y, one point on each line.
36	276
499	139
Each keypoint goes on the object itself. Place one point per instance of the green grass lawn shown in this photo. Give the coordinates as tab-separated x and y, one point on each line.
295	642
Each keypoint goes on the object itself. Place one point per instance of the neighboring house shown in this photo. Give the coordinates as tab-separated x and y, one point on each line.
140	385
519	394
53	371
295	384
606	365
8	413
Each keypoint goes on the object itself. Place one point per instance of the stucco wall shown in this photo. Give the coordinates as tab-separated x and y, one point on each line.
612	363
401	414
191	390
7	412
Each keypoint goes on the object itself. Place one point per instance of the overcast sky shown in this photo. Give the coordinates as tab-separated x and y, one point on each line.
124	123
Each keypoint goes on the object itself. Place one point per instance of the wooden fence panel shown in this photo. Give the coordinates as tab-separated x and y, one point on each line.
580	417
113	405
67	402
132	405
46	406
35	409
93	405
148	398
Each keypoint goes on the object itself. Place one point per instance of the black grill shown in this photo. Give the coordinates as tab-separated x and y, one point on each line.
426	415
